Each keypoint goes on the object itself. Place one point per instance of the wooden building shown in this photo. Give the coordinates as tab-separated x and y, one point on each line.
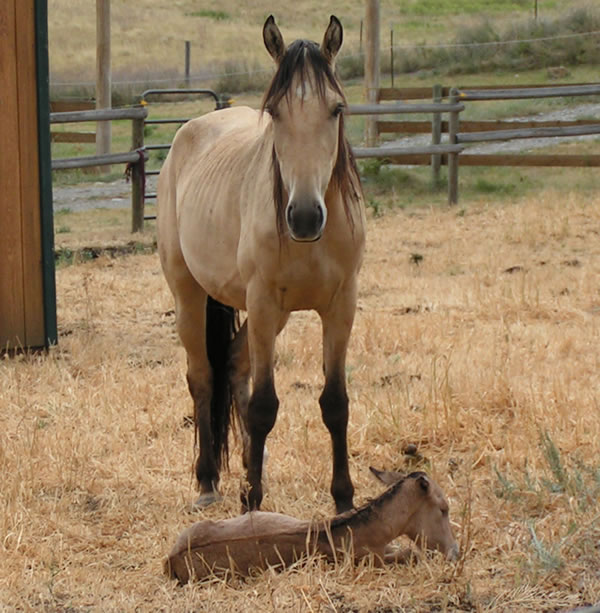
27	282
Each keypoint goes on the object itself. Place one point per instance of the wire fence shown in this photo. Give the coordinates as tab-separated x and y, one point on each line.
209	76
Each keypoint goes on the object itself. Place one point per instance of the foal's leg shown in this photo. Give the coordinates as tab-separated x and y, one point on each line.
337	325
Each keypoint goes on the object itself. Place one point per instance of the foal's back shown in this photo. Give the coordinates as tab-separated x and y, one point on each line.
253	540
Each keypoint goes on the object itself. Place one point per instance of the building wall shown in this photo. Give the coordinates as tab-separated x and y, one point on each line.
23	301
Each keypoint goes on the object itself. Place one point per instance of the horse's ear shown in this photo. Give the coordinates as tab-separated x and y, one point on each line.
332	41
389	477
273	39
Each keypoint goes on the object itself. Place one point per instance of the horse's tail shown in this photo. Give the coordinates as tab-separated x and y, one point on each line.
220	331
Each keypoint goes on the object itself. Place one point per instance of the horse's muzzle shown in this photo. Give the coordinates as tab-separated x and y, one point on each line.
305	220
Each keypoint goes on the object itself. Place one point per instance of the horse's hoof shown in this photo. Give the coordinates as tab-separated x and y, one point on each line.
205	500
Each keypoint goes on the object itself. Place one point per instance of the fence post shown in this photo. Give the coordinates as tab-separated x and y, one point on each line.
392	54
371	67
137	177
453	127
188	45
436	136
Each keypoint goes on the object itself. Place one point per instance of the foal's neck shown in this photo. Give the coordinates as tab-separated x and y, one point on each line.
378	522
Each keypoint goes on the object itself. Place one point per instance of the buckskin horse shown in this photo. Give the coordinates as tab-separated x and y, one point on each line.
262	211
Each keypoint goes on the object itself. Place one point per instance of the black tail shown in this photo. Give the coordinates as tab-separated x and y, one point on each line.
220	331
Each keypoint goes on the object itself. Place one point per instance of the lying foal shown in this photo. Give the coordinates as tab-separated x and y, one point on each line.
414	505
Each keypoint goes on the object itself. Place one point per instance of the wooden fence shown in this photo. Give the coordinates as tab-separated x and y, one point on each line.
491	130
136	157
452	153
67	106
431	153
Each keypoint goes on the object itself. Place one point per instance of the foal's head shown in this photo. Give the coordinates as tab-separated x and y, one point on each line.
429	523
306	103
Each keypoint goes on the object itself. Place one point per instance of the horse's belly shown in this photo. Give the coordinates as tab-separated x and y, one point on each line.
209	240
216	272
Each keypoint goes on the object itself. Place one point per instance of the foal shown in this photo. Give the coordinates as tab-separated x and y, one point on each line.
414	505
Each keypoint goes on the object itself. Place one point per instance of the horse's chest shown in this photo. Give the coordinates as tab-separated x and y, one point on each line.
309	283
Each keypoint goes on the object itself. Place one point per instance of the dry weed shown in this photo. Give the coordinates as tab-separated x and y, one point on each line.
483	353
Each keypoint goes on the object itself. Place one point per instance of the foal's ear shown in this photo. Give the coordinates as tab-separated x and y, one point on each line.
273	39
389	477
332	41
423	482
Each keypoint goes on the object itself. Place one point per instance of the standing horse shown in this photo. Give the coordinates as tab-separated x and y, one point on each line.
262	211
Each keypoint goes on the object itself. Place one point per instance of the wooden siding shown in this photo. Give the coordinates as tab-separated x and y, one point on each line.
21	275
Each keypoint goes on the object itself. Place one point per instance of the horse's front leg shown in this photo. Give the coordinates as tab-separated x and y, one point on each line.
337	325
265	320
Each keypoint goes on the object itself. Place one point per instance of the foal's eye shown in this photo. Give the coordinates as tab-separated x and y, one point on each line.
338	110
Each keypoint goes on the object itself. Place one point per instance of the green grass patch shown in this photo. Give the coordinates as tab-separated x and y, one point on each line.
561	480
570	477
487	46
436	8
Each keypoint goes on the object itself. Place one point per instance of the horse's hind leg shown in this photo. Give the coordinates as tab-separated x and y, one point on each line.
239	381
337	325
190	301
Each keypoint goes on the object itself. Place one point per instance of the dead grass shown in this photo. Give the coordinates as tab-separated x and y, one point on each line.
484	353
148	37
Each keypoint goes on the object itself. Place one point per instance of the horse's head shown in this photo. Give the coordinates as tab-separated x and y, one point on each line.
306	101
429	524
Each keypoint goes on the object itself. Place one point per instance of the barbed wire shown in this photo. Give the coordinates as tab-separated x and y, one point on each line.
212	76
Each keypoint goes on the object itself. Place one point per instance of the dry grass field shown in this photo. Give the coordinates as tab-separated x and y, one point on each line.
476	339
148	36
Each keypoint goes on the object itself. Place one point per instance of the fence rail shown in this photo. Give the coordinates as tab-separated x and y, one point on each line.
72	137
135	158
424	93
452	153
469	132
529	92
403	108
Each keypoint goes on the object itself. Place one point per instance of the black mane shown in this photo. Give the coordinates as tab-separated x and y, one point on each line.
305	60
363	514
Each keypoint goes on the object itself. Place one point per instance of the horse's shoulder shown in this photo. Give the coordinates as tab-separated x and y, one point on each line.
201	131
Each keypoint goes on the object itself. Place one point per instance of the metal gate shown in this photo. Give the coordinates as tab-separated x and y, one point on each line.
221	102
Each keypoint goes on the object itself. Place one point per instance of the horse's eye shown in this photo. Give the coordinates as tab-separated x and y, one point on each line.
271	111
338	110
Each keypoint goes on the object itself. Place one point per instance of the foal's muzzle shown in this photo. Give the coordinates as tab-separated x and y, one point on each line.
306	220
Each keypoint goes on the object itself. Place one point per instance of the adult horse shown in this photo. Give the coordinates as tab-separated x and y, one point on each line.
262	211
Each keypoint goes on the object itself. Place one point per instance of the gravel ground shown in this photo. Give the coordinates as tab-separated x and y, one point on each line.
117	194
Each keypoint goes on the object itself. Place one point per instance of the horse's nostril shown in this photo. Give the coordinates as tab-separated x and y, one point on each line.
305	219
319	213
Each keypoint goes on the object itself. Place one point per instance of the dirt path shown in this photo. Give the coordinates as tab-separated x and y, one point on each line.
83	196
118	194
